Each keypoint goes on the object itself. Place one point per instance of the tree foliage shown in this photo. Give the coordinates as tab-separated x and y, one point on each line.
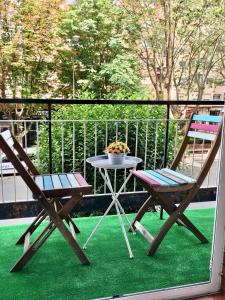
96	50
179	42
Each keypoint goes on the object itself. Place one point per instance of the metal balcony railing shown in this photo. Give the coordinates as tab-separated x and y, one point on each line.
156	141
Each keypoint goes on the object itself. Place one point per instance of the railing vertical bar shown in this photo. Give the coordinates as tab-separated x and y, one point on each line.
96	151
146	145
209	171
62	146
106	144
126	141
25	128
14	171
115	171
193	158
38	142
156	143
202	153
50	136
74	145
166	134
136	148
85	146
2	178
176	138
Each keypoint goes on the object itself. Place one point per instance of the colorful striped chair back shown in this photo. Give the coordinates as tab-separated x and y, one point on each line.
204	127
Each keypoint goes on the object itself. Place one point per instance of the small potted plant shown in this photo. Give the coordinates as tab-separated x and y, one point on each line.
117	152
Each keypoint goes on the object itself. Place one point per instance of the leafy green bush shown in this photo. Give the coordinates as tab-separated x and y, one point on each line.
76	136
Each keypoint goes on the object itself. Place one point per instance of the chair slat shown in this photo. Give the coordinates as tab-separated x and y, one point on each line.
39	182
172	177
207	118
56	182
80	179
145	178
72	180
163	178
201	135
179	175
160	182
48	182
64	180
204	127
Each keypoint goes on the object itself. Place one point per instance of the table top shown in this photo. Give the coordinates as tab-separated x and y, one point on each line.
102	161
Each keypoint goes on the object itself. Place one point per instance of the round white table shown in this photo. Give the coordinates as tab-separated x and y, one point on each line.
102	163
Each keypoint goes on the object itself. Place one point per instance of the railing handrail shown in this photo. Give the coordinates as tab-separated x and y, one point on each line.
120	102
90	120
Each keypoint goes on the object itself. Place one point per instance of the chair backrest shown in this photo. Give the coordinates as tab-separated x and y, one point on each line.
7	143
206	128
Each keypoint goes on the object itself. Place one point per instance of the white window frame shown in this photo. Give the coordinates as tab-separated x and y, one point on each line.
218	243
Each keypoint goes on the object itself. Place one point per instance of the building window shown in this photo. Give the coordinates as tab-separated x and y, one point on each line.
216	97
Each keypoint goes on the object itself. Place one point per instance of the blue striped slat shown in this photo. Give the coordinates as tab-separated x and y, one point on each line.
64	180
72	180
39	182
163	178
154	178
179	175
48	182
207	118
56	182
201	135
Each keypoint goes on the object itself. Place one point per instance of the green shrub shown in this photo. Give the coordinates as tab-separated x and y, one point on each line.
90	137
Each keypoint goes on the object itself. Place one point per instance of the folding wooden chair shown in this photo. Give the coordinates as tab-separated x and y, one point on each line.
158	182
48	190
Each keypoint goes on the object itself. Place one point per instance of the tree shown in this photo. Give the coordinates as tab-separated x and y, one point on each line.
95	54
178	41
28	44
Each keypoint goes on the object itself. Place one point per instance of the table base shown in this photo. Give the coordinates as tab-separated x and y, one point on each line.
119	211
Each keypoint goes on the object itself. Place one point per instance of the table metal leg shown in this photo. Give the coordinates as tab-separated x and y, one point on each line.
97	226
124	231
125	216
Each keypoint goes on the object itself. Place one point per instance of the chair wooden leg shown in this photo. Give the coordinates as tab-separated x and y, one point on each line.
72	242
176	215
193	229
56	222
171	207
64	230
163	231
147	204
32	249
42	215
67	217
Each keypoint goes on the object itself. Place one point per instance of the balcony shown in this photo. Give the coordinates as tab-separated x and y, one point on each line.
181	261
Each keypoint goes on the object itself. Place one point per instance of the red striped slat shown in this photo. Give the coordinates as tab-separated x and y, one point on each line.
80	179
145	178
205	127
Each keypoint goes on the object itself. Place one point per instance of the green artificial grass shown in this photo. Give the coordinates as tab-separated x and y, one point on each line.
55	273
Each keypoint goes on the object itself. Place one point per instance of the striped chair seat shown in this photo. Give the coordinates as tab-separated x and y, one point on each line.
165	180
61	184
